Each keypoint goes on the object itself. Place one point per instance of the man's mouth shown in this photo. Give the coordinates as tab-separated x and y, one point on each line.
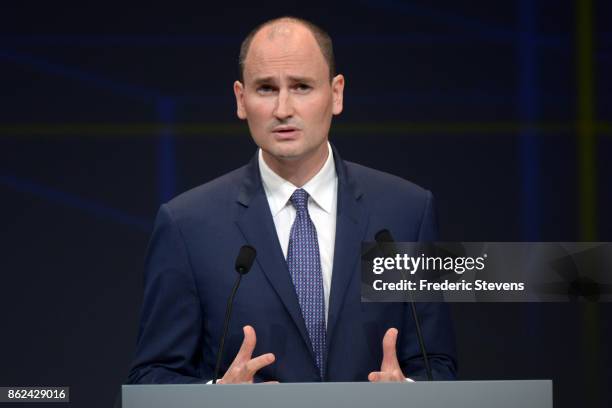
285	131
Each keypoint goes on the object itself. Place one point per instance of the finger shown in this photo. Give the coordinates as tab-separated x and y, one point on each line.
386	376
257	363
379	376
248	344
389	362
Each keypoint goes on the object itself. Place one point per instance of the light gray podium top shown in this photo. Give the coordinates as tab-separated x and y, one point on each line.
447	394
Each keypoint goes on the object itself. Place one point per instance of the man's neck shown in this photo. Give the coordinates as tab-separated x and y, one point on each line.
298	171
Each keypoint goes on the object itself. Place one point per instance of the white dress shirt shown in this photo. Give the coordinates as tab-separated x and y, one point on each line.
323	198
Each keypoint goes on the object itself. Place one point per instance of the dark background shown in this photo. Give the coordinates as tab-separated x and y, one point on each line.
501	108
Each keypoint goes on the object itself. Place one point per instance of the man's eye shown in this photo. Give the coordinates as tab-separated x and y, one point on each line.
265	89
302	87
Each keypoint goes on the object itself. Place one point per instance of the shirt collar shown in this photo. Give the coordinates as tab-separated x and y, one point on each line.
321	188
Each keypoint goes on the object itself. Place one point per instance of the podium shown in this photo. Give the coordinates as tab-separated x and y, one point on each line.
438	394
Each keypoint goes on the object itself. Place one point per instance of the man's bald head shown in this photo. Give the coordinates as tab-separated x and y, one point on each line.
283	27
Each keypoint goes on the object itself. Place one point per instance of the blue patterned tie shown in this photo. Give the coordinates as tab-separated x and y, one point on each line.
304	264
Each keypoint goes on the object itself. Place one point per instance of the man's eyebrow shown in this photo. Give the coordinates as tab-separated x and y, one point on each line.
271	79
264	80
301	79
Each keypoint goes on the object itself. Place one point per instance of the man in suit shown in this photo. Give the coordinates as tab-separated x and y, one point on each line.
298	314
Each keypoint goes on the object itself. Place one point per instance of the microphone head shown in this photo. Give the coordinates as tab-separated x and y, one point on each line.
383	236
385	242
245	259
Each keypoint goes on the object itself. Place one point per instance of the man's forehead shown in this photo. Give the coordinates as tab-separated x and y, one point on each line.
273	62
285	46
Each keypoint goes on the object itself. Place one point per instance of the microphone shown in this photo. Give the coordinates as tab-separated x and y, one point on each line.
244	261
386	243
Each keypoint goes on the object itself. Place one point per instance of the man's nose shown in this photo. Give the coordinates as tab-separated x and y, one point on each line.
284	105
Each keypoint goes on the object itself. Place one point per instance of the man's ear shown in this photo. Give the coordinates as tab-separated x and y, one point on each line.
239	93
337	94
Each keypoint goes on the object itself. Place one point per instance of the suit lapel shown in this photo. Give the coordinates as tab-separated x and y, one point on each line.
351	223
255	222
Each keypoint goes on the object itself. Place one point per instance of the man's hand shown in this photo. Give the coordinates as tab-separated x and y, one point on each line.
244	367
390	369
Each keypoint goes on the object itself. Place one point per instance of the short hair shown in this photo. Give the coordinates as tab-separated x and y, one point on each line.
323	40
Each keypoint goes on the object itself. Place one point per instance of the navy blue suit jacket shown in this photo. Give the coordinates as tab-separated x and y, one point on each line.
190	272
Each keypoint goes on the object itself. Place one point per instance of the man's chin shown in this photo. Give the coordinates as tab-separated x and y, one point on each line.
289	153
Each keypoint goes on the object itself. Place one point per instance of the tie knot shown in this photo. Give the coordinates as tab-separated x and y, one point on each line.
299	199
